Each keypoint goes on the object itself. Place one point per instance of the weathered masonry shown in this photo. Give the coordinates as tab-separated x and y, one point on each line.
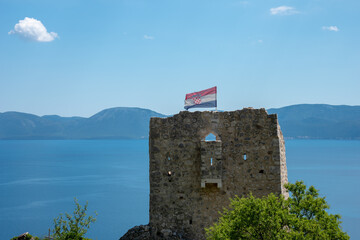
191	179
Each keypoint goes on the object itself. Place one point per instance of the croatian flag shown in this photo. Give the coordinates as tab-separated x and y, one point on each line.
203	99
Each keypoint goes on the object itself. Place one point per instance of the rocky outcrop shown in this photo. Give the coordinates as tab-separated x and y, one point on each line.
25	236
144	232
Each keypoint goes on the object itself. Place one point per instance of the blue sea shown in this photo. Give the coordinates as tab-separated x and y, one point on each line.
40	179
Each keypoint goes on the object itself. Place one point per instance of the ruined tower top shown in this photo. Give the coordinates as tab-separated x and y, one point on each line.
192	179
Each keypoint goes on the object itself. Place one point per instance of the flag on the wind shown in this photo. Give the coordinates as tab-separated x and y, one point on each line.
203	99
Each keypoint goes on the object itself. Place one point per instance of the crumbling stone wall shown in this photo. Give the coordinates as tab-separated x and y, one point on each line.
191	180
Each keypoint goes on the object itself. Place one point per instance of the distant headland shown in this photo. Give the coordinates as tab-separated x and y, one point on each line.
303	121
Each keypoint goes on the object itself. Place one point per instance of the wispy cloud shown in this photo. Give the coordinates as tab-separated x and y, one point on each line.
33	29
147	37
240	3
331	28
283	10
257	42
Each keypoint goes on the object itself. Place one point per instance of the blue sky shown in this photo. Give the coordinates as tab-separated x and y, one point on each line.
99	54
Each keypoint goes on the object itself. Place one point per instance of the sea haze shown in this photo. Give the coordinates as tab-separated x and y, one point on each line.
40	178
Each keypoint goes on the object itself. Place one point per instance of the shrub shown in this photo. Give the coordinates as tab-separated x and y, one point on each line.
302	216
73	227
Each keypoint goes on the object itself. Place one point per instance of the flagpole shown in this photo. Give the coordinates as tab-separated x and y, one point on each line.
216	99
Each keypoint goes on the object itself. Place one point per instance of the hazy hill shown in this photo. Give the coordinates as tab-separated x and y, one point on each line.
319	121
119	122
298	121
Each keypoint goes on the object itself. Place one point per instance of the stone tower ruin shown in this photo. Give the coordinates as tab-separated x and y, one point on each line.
192	179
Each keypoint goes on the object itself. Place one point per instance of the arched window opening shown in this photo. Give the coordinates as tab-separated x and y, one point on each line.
210	137
244	156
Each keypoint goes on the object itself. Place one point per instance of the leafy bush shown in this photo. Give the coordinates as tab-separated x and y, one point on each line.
72	227
302	216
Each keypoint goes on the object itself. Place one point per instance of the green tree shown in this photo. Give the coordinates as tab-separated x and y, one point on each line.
73	227
309	216
302	216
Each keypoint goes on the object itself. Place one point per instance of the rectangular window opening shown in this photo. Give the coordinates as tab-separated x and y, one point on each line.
211	185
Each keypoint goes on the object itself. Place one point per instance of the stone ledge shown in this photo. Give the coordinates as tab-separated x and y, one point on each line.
144	232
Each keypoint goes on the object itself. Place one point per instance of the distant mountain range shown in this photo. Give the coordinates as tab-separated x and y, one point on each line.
113	123
312	121
319	121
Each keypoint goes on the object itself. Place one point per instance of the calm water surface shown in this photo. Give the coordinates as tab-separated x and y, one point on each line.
39	180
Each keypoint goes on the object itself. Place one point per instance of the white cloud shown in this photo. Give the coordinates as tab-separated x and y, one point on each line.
33	29
147	37
283	10
331	28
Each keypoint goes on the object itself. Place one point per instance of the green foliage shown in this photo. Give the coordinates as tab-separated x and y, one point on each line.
310	220
251	218
73	227
302	216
